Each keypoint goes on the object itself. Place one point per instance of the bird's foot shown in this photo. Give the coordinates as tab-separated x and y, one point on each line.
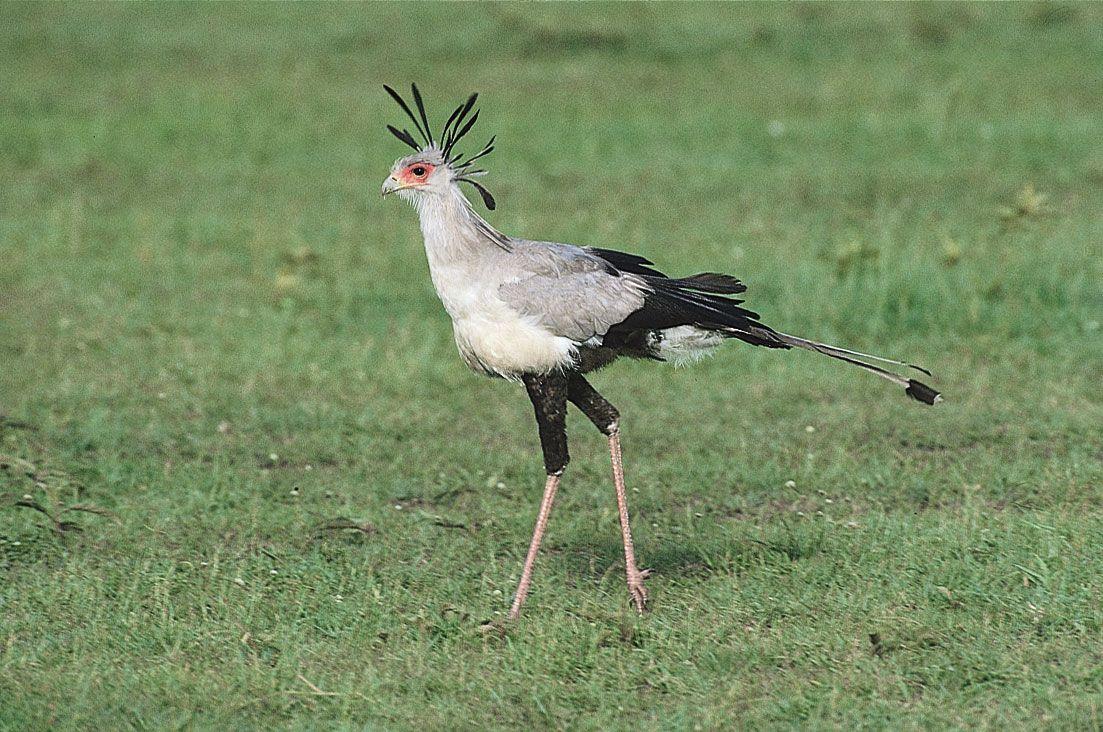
636	589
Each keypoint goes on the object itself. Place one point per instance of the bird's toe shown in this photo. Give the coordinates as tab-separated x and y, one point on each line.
637	591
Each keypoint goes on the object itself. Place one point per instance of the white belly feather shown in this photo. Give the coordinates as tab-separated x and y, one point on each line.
500	343
492	337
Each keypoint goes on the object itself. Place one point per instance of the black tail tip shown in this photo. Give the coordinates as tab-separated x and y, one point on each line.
921	392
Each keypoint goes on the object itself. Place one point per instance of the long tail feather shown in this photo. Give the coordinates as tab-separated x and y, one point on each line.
915	389
836	350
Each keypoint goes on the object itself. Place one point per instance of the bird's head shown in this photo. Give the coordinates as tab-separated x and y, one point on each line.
435	168
423	173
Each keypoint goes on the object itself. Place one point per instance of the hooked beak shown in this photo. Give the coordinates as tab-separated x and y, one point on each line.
391	184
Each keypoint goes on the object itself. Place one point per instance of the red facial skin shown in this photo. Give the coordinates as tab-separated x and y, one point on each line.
409	178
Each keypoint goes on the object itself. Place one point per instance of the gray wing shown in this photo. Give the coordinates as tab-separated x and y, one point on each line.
572	293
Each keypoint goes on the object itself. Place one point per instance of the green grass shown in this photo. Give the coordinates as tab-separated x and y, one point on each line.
217	337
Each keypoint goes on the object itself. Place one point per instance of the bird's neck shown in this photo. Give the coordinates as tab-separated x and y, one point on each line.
453	232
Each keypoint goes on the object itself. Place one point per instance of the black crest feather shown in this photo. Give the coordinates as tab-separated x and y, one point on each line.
405	136
459	123
487	198
421	110
406	108
457	119
463	131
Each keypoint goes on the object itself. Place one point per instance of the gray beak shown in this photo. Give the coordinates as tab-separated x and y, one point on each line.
390	185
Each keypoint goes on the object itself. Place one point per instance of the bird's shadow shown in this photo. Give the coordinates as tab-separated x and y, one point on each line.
721	552
598	558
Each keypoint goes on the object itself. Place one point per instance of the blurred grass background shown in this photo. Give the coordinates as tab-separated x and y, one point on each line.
216	340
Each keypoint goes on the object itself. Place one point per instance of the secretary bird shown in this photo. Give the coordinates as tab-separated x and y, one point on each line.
545	314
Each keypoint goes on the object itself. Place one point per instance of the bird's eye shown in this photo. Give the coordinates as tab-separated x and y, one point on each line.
418	171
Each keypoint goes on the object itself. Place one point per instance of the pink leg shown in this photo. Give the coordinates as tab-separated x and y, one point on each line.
537	534
635	576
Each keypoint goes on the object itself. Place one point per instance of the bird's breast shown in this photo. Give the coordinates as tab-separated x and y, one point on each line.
491	336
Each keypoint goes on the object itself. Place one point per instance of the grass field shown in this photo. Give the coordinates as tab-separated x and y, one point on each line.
219	346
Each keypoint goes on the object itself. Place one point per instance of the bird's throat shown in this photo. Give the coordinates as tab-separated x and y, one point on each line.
454	233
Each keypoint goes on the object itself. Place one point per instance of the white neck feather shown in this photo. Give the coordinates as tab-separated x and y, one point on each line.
444	221
453	231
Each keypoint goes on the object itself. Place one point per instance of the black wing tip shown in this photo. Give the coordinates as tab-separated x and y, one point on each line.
921	392
611	254
720	284
631	263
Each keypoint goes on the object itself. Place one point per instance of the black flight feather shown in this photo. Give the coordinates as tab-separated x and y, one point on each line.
672	303
720	284
711	282
630	263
